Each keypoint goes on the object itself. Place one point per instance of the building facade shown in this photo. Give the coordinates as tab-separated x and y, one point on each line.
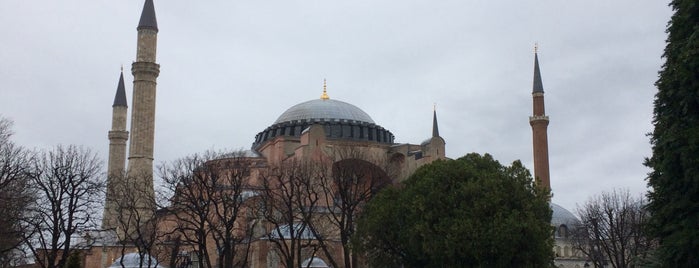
323	136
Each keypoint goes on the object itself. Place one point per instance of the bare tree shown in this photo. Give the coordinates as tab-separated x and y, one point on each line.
612	230
137	225
208	195
69	192
230	230
287	205
15	195
354	179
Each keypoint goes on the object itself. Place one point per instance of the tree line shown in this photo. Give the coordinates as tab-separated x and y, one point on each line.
47	197
346	208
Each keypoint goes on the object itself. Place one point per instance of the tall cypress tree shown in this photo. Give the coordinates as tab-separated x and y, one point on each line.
674	179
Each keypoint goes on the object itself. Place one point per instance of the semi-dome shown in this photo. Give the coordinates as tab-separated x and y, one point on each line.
562	216
324	109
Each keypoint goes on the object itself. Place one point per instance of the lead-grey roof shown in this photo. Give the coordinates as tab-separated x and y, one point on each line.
134	260
314	262
562	216
327	109
538	85
120	97
435	127
148	20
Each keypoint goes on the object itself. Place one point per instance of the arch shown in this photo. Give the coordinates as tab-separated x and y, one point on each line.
359	175
397	158
563	231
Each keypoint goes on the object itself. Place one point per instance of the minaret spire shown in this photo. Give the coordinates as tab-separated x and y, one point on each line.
538	86
435	126
120	96
539	122
148	17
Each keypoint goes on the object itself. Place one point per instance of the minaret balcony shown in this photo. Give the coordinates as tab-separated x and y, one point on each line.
118	135
538	118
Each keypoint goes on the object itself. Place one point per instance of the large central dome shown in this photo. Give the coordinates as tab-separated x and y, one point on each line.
340	120
327	109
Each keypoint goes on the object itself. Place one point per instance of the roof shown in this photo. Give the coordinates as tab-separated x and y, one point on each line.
538	86
562	216
120	97
435	127
134	260
148	20
314	262
327	109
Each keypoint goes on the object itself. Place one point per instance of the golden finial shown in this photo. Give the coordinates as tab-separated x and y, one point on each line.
325	91
536	47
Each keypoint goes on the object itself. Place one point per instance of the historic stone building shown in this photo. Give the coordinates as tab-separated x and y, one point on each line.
325	131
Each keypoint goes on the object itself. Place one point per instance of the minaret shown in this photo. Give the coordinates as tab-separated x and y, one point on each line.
436	144
145	71
539	122
117	154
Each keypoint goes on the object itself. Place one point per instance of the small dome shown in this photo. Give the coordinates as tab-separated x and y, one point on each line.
562	216
314	262
327	109
134	260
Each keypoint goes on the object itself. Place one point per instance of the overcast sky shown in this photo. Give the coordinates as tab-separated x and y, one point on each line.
230	68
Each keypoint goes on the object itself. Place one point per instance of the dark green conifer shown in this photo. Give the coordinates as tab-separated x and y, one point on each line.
674	179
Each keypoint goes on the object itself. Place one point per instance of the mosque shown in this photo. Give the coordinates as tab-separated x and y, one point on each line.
321	130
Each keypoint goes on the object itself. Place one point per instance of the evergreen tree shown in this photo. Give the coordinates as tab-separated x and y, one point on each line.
674	179
74	260
469	212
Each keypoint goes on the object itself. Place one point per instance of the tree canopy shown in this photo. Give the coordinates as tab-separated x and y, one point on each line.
674	179
469	212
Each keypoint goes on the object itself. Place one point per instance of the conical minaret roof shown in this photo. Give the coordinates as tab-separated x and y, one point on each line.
538	86
435	126
148	20
120	97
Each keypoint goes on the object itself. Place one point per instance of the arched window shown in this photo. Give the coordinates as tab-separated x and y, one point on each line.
563	231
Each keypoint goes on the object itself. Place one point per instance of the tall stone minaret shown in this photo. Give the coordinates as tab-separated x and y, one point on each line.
145	71
539	122
117	155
